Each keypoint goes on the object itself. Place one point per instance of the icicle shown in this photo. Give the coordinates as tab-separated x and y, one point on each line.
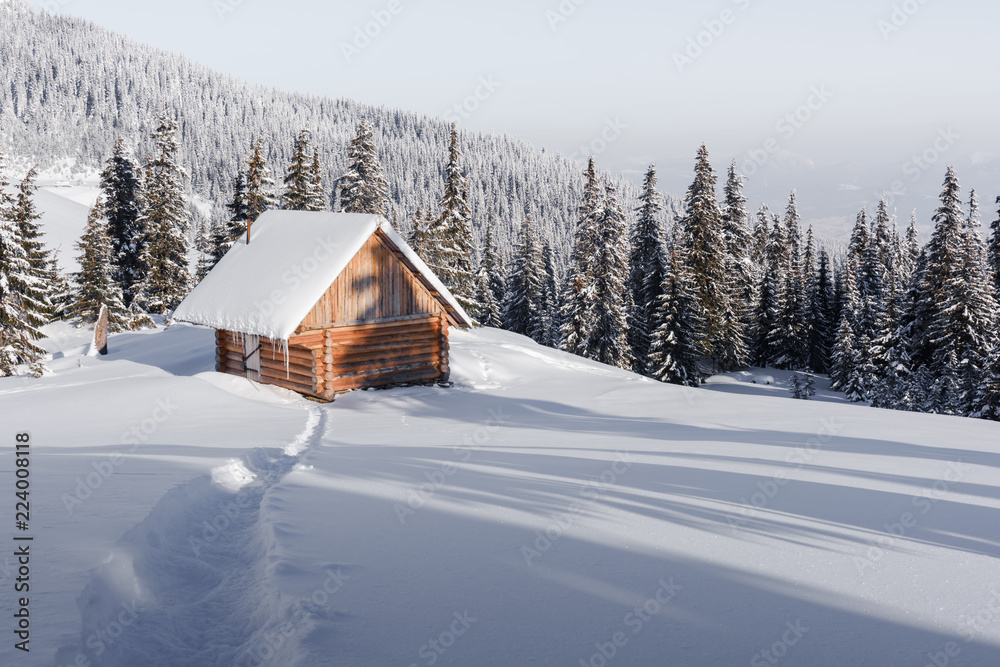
284	348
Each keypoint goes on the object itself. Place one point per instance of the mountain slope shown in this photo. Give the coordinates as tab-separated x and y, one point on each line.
68	88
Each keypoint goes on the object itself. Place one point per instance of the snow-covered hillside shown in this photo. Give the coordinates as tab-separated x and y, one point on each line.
545	510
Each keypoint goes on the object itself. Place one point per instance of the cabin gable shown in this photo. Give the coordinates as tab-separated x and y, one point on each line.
375	285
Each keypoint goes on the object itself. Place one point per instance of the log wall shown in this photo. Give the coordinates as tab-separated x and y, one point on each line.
322	362
304	373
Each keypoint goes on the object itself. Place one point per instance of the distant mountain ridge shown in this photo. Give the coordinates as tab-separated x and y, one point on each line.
68	88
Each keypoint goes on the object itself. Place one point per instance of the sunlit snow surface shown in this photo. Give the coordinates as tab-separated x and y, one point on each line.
545	510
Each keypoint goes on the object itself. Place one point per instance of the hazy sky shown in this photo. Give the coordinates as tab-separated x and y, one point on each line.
839	97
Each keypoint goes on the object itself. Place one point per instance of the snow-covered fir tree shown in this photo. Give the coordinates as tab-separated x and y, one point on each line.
993	253
317	193
492	261
165	279
955	327
647	268
576	314
298	193
704	248
121	189
733	348
676	345
363	187
523	311
986	399
608	339
20	315
490	285
420	233
61	292
788	334
204	243
844	357
821	316
488	312
449	247
258	194
94	284
24	215
551	306
910	252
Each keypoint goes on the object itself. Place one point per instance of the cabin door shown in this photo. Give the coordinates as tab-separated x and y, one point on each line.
251	356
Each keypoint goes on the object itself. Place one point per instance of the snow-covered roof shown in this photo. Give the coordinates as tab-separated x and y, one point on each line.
267	287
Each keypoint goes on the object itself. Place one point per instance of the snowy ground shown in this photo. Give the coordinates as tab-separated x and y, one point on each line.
545	510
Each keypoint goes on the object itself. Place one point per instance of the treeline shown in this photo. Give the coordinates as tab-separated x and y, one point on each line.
895	324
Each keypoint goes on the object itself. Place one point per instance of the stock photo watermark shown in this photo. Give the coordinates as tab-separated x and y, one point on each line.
558	524
365	34
138	434
634	621
773	654
920	163
613	129
899	17
786	127
898	527
714	28
768	490
562	13
469	105
432	651
463	451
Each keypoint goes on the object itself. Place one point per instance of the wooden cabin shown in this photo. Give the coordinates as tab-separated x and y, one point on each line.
326	302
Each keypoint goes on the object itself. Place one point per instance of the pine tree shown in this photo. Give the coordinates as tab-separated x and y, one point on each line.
363	188
526	286
449	246
910	253
820	314
164	218
39	289
646	272
551	304
94	283
208	233
960	312
317	193
61	292
259	186
844	361
978	305
576	315
733	350
993	253
420	238
492	264
608	340
677	340
488	313
20	317
788	336
704	247
121	188
986	401
299	182
490	288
